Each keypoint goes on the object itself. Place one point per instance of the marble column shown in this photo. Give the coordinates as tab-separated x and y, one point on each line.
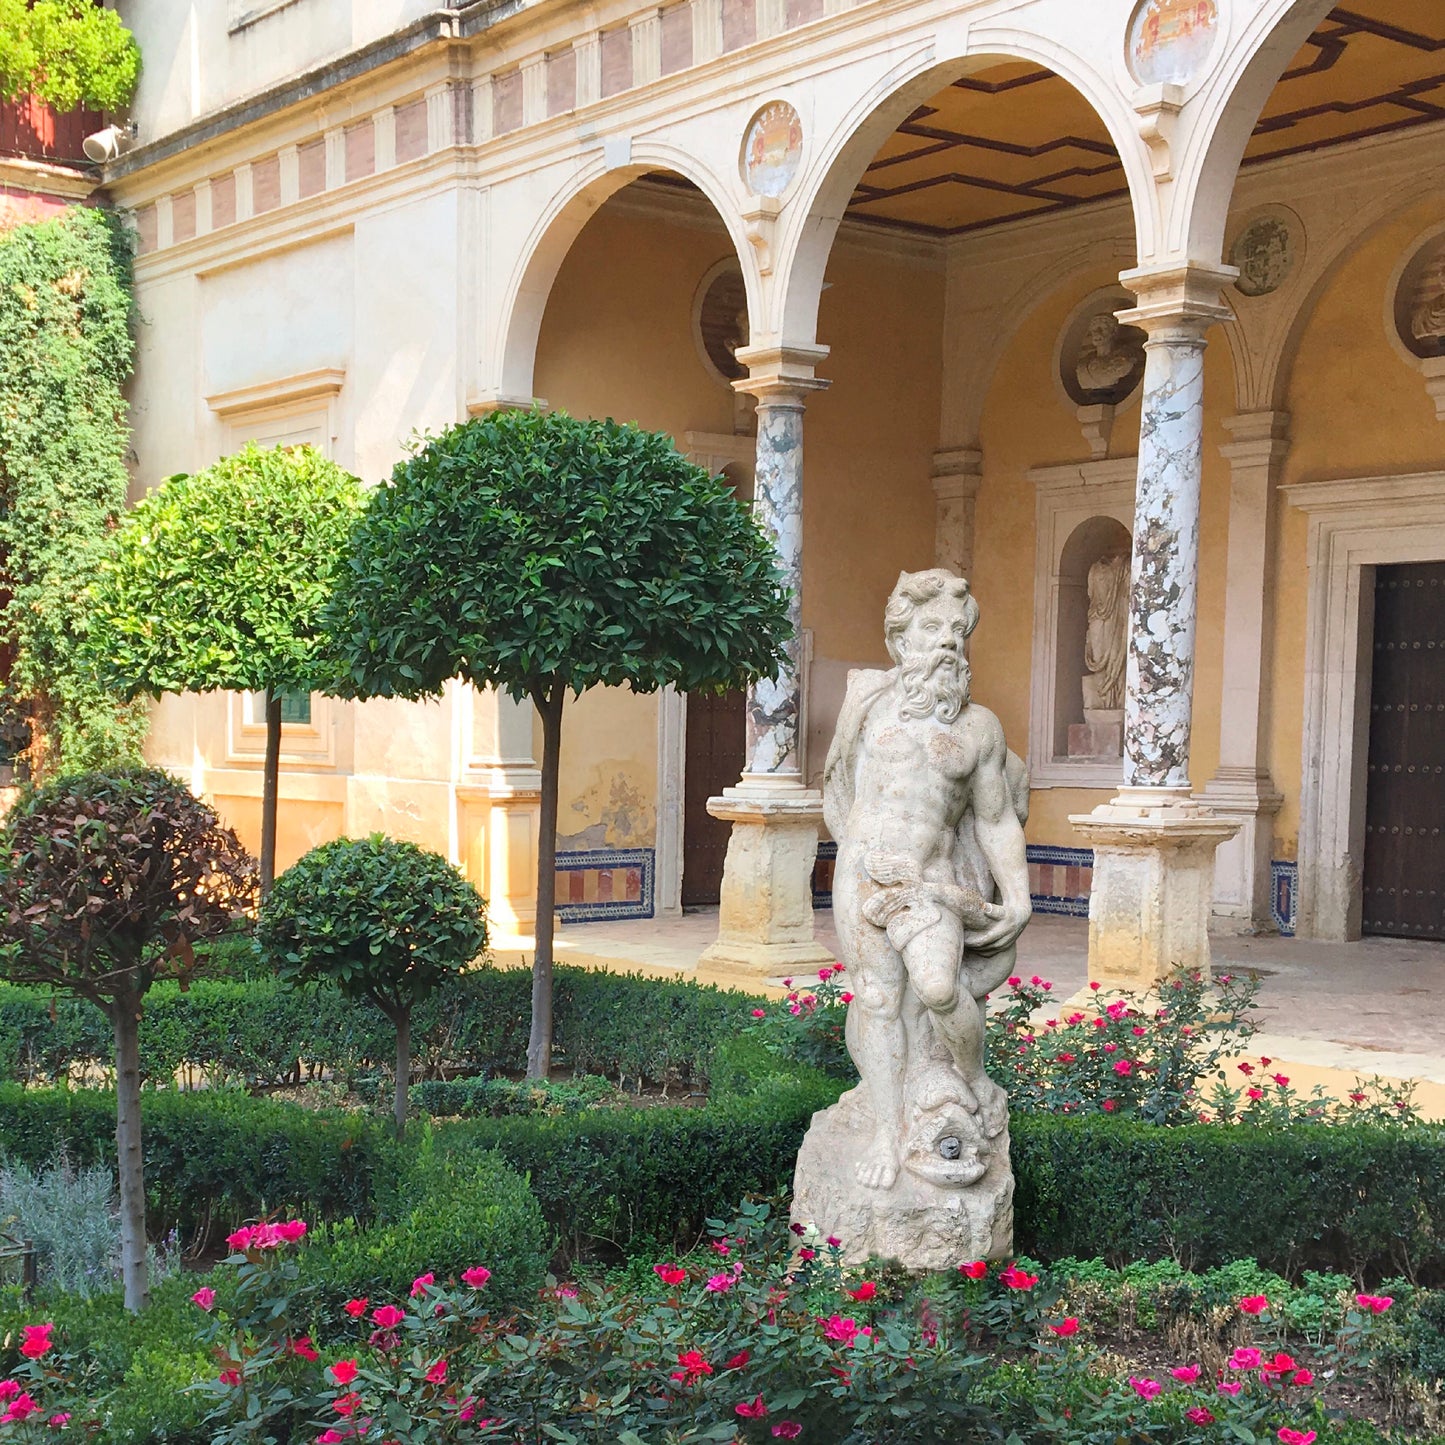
1241	787
765	918
1153	844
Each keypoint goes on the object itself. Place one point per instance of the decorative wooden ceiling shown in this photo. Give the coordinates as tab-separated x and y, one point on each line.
1015	141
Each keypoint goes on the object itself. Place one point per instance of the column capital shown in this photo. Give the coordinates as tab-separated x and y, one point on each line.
1183	299
780	375
1260	437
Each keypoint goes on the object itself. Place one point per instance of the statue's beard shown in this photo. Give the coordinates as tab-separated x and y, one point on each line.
934	683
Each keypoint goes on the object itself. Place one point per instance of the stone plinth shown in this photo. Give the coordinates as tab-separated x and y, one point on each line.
1152	885
939	1213
765	918
1100	737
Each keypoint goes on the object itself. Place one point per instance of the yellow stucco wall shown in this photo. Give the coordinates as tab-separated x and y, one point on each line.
1357	409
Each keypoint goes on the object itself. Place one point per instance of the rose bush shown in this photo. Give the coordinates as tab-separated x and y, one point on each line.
761	1334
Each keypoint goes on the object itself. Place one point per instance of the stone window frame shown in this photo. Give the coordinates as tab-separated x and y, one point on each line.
1355	525
1066	496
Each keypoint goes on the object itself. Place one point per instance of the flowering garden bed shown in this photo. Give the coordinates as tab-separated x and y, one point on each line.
1342	1209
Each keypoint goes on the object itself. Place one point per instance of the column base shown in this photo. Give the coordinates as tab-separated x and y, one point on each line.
1153	881
765	921
1242	899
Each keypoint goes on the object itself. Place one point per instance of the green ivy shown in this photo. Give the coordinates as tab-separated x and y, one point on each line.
65	352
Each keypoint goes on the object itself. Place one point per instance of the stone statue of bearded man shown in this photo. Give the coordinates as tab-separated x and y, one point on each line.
930	892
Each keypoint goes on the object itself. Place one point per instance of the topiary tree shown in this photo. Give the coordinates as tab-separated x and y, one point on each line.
546	555
67	53
217	581
383	920
65	352
107	881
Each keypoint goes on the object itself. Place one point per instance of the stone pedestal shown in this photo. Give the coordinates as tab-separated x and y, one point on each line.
1153	882
1100	737
940	1212
765	921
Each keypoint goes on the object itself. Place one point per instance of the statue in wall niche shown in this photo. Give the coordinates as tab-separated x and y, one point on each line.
1427	311
930	894
1106	642
1110	362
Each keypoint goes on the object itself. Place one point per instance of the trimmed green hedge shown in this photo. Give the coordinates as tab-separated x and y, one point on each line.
256	1033
212	1159
1361	1198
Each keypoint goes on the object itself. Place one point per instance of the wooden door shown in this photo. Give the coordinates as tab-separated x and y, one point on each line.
716	748
1404	886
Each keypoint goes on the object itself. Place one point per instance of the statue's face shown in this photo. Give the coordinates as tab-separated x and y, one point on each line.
937	630
1101	332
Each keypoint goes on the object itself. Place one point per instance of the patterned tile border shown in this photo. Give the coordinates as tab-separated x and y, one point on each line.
1059	878
1284	895
622	888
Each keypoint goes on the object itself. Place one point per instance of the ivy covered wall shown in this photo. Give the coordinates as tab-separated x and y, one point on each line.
65	351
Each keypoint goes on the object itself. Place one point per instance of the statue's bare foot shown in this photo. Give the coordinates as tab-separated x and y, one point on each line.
878	1168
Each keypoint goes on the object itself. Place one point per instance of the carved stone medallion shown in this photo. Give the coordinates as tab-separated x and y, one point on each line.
772	149
1266	251
1169	40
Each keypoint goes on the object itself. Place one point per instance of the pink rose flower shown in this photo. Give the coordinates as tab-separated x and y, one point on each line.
343	1371
356	1307
1065	1328
755	1410
788	1430
1145	1389
670	1274
1185	1374
476	1277
388	1316
422	1283
37	1341
1254	1304
204	1298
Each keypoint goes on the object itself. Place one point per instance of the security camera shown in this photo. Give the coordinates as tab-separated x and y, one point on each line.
106	145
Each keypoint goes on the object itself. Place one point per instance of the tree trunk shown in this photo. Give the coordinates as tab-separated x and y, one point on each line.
539	1045
270	774
125	1019
403	1070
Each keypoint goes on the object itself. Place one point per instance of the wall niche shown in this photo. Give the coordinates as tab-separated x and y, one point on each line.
1081	602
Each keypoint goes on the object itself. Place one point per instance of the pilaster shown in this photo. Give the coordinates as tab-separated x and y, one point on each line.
1241	787
707	30
646	30
383	131
245	196
534	90
335	140
588	50
289	165
957	475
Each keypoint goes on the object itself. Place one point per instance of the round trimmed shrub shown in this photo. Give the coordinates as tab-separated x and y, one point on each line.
381	919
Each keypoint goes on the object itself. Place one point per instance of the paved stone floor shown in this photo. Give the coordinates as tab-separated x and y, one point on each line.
1328	1011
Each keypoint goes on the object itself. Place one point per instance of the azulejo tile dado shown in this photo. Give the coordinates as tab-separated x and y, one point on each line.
610	883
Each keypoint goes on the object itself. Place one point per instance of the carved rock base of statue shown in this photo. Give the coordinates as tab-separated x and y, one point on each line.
1100	735
939	1213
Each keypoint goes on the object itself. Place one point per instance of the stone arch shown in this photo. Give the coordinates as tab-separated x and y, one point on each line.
822	198
1230	103
568	210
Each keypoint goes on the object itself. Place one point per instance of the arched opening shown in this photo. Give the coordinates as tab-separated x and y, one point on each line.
990	201
1336	223
643	314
